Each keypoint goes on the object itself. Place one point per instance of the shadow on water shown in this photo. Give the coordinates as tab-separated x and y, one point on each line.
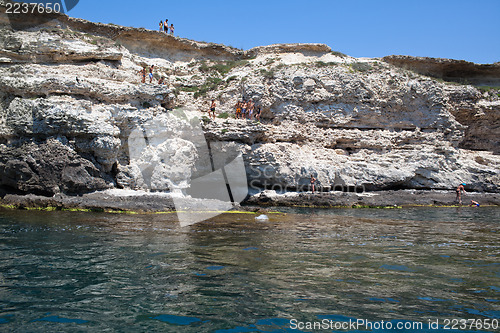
95	271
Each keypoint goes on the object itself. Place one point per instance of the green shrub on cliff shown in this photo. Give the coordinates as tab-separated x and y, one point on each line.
204	67
222	67
361	66
210	84
268	74
320	64
487	88
189	89
339	54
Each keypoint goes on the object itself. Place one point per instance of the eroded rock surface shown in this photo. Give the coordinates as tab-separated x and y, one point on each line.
71	100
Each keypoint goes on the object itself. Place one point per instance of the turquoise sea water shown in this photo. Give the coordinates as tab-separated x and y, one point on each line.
67	271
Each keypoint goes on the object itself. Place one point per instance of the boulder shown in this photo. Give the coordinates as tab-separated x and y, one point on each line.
48	168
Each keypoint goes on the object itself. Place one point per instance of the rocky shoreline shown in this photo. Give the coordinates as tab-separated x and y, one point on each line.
150	202
376	199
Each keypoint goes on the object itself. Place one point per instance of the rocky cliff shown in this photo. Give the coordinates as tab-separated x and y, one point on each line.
71	100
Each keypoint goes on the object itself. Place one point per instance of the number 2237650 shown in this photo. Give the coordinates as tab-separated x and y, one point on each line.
32	8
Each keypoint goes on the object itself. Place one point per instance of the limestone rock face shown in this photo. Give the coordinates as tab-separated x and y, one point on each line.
165	153
45	46
366	159
450	69
75	117
48	168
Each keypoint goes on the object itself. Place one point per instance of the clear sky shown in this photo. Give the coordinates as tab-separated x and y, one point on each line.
457	29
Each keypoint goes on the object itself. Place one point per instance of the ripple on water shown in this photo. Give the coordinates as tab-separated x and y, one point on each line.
383	300
177	320
242	276
62	320
250	248
215	268
399	268
434	299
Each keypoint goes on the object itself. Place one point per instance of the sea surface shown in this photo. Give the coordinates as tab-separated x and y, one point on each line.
99	272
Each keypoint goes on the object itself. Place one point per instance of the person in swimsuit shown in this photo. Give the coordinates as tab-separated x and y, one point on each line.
474	203
212	109
313	182
165	26
238	109
243	109
151	73
460	190
142	72
257	112
250	108
161	26
172	29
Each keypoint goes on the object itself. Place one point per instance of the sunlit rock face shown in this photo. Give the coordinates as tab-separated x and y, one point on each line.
75	116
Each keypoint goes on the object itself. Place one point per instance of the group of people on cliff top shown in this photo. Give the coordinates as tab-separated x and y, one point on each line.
247	110
163	27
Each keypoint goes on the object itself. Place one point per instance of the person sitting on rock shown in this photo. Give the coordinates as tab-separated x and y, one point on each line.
460	190
161	80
